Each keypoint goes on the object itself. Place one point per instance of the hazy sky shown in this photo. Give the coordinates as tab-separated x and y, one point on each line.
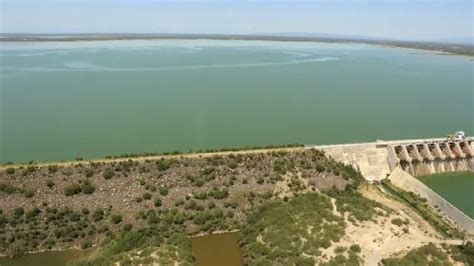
415	19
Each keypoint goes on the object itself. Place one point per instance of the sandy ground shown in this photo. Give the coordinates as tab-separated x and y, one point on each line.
381	239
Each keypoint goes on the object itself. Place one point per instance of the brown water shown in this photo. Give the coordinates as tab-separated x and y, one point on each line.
49	258
217	249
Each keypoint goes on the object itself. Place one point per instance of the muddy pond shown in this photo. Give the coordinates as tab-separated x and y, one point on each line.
209	250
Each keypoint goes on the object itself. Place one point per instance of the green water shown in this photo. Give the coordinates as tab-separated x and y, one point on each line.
217	250
455	187
91	99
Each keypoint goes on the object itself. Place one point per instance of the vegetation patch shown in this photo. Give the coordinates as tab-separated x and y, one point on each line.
292	232
429	254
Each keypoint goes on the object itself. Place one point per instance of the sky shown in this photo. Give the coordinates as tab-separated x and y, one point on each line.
395	19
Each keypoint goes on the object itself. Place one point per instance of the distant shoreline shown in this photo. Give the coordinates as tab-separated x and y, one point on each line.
441	48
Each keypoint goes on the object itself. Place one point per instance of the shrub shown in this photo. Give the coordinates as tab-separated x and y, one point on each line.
219	193
355	248
28	193
32	213
397	221
98	215
50	183
74	217
30	169
116	218
163	191
10	170
18	212
146	196
127	227
89	172
87	187
108	173
320	168
52	168
202	195
157	202
72	190
85	243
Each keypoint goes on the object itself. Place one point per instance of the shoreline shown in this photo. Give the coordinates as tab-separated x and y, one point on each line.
436	47
249	150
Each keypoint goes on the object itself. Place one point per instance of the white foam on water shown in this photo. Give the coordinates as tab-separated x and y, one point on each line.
84	66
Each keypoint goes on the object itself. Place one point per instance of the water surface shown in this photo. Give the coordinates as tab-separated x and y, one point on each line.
49	258
455	187
217	250
92	99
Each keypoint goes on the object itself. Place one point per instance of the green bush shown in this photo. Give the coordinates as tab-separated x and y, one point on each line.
146	196
8	189
116	218
89	172
108	173
29	193
32	213
355	248
219	193
397	221
18	212
72	190
52	168
50	184
157	202
74	217
98	215
163	191
85	244
10	170
87	187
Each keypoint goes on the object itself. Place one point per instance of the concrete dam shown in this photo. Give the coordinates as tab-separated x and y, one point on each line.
401	160
376	160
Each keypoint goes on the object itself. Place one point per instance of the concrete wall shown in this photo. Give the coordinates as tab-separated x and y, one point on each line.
369	158
407	182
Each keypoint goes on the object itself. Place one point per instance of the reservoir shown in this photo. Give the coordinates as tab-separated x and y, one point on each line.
93	99
455	187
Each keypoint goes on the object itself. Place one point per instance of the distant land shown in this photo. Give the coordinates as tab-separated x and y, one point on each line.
445	47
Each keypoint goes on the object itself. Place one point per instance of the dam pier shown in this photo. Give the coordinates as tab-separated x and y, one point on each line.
401	160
